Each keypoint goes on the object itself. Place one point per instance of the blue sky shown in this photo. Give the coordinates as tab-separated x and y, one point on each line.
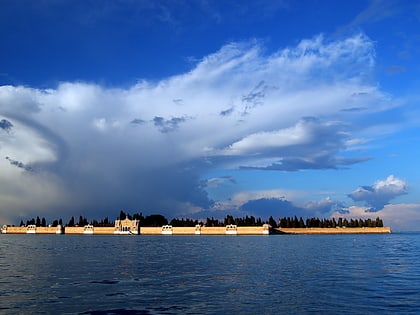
204	108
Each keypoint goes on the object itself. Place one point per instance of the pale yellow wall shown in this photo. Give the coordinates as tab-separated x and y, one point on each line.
73	230
150	230
39	230
46	230
16	230
103	230
250	230
210	230
183	230
375	230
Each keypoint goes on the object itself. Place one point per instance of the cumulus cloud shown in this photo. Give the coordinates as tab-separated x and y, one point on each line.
148	147
380	193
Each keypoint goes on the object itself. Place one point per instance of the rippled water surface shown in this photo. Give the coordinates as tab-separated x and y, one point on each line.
284	274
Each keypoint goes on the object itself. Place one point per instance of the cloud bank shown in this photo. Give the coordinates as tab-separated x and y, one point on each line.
96	150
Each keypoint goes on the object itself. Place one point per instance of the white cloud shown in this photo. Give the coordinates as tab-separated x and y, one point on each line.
259	142
236	107
381	192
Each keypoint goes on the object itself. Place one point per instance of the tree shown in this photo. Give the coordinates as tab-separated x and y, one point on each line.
30	222
155	220
301	223
272	222
229	220
138	216
71	222
212	222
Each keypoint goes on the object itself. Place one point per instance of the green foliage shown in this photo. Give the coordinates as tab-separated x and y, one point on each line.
213	222
289	222
71	222
185	222
154	220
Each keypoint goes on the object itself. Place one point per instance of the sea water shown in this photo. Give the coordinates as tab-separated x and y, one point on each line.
281	274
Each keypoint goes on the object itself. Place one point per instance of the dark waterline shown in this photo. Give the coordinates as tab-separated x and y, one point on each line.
319	274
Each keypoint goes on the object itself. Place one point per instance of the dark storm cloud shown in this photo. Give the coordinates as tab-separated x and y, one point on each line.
280	207
6	125
19	164
168	125
292	164
353	109
227	112
137	121
254	98
272	206
178	101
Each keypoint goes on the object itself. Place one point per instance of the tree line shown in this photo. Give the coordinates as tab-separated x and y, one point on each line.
41	222
294	222
156	220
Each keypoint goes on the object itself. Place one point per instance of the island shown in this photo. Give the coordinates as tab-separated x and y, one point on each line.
157	224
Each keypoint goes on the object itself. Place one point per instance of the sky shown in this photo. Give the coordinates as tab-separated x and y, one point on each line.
206	108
